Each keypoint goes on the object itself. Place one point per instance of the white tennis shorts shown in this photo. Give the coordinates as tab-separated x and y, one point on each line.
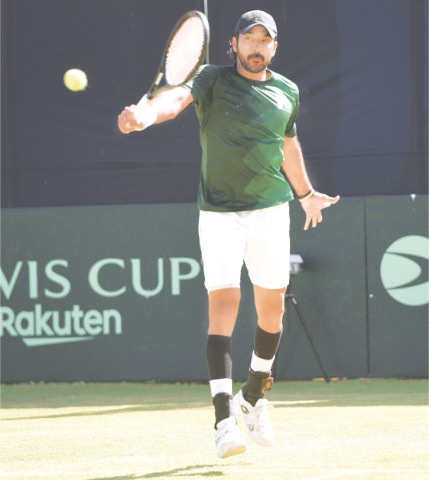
259	238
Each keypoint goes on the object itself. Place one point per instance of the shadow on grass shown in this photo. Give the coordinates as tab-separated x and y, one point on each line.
190	471
112	411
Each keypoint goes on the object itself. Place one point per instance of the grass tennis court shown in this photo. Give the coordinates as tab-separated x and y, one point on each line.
349	429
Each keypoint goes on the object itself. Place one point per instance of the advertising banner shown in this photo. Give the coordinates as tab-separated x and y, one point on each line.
117	294
102	294
398	287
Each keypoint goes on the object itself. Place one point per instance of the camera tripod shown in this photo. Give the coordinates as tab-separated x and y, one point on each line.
292	298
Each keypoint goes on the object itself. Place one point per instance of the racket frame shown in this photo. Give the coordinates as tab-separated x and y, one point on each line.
161	70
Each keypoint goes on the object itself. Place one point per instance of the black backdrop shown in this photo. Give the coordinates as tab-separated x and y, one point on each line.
361	67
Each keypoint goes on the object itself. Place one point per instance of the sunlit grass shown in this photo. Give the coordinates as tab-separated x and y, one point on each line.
355	429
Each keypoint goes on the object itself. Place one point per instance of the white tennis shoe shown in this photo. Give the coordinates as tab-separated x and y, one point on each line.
258	424
228	438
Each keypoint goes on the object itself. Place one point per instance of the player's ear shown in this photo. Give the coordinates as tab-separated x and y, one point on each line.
234	43
276	43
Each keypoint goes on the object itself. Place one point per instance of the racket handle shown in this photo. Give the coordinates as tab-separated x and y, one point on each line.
145	113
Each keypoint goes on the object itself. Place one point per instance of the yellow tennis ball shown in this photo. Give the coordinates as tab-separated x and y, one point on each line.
75	80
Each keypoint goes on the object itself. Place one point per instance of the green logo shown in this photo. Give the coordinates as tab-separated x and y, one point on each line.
404	270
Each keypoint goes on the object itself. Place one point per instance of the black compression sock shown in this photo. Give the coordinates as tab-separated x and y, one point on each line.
266	344
218	356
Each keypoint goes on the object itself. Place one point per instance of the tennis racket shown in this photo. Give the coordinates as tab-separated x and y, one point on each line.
184	53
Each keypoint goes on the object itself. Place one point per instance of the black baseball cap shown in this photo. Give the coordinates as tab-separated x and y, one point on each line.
256	17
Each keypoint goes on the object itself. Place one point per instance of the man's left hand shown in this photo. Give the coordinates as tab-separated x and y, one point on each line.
313	207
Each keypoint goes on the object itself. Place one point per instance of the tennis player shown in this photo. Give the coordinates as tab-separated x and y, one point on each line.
247	116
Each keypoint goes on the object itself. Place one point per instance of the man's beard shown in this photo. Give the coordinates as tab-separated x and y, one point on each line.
253	68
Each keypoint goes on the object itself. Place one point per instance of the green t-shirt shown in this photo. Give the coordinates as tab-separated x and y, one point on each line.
242	127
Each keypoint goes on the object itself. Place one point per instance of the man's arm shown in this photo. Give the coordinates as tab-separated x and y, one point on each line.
164	106
294	167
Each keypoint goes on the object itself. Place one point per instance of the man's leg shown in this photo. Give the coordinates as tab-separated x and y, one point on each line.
270	309
223	310
251	398
223	245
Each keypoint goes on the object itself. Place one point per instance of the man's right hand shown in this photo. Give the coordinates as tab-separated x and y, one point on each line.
127	121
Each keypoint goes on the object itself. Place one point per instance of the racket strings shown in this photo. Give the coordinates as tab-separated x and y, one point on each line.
185	51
